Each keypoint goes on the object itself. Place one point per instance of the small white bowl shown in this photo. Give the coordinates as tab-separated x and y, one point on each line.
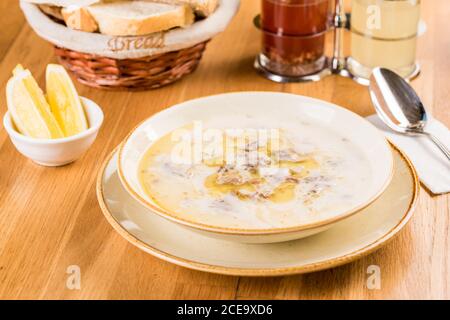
57	152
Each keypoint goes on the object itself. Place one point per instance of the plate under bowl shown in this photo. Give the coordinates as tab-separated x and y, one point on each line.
349	240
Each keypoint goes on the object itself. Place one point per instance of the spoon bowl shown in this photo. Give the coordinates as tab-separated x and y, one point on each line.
399	106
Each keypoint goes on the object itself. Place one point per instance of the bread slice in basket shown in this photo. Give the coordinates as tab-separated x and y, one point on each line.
201	7
79	19
133	18
126	17
52	11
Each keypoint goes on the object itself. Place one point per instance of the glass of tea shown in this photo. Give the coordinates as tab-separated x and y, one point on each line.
293	36
384	34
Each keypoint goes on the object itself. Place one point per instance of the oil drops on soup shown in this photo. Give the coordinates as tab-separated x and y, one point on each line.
254	177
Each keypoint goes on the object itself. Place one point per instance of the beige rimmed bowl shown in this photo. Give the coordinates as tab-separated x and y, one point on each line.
288	106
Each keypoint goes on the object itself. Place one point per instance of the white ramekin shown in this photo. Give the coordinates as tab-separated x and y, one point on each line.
57	152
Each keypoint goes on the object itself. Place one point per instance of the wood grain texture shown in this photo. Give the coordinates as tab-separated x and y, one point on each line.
11	23
50	219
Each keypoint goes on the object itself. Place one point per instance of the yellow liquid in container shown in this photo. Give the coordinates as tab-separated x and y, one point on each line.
384	34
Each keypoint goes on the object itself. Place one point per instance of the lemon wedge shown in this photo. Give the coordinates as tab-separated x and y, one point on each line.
65	104
29	108
18	69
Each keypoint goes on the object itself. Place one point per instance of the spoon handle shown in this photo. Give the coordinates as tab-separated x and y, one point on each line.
439	144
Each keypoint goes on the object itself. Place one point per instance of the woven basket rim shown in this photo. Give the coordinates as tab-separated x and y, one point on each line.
99	44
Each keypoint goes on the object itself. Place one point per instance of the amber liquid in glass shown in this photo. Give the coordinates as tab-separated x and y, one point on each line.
295	17
294	35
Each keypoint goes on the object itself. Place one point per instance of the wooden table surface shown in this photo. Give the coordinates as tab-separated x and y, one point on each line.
50	218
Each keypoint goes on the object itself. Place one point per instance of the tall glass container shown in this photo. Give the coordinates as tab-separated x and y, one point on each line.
384	34
293	36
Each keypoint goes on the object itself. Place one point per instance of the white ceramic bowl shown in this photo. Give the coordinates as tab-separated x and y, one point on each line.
57	152
365	137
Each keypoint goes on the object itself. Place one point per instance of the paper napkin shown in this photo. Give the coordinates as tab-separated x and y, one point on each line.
431	164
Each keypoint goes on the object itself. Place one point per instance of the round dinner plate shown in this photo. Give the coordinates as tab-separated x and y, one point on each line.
349	240
271	108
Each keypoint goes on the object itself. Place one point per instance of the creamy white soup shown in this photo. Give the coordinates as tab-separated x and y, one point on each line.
253	173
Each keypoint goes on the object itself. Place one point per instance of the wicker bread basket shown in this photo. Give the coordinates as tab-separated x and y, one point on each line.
130	63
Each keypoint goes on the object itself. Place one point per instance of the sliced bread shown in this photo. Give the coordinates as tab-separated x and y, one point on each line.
64	3
132	18
202	7
79	19
52	11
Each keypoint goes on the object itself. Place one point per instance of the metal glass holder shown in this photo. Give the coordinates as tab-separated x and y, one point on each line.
365	82
326	71
337	64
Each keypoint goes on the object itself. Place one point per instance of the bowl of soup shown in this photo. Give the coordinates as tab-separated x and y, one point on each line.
255	167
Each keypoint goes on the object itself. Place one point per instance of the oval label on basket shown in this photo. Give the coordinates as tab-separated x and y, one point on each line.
155	40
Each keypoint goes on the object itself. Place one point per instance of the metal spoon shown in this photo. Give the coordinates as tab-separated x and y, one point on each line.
398	105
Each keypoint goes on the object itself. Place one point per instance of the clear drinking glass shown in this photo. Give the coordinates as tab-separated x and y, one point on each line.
384	34
293	36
